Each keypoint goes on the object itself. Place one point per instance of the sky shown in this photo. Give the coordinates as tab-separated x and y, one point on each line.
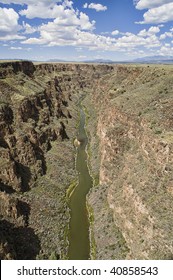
82	30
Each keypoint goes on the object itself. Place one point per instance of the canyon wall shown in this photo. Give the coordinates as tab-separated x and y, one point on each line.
38	122
129	125
136	160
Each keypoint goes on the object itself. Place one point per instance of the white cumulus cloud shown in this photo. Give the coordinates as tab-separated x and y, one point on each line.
67	26
151	31
115	32
167	34
165	50
148	4
8	20
42	10
9	26
28	29
159	11
15	48
161	14
98	7
52	35
28	2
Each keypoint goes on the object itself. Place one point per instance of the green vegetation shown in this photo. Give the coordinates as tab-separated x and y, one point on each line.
54	256
71	189
93	247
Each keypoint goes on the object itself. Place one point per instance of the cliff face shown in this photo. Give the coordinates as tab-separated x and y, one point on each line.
38	118
136	157
27	126
131	144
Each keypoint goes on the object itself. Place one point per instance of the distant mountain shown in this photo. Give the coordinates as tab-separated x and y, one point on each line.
99	61
105	61
155	59
56	60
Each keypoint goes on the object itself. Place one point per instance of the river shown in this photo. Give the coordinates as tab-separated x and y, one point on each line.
79	243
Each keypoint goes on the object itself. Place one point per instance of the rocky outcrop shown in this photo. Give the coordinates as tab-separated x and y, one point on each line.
15	214
13	209
10	68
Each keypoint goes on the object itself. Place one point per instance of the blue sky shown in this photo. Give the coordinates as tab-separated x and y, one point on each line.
82	29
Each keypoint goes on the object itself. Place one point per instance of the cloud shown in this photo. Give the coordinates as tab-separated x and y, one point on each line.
46	10
63	30
16	48
9	25
8	20
94	6
64	15
85	6
82	56
168	34
148	4
161	14
29	29
66	26
52	35
152	30
42	8
19	49
115	32
166	50
27	2
134	41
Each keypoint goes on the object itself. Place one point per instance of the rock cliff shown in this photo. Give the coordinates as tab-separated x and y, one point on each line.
129	124
38	117
136	156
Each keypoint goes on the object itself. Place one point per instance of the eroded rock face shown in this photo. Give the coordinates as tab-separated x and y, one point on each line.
131	142
35	116
15	214
10	68
34	113
12	209
136	159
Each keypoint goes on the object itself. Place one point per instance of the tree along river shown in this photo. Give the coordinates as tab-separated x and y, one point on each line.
79	243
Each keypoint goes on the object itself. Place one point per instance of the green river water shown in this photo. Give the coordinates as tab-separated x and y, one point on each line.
79	244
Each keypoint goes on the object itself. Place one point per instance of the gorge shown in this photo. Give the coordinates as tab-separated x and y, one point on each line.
129	126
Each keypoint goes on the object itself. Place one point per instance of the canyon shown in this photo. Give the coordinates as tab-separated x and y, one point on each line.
129	124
